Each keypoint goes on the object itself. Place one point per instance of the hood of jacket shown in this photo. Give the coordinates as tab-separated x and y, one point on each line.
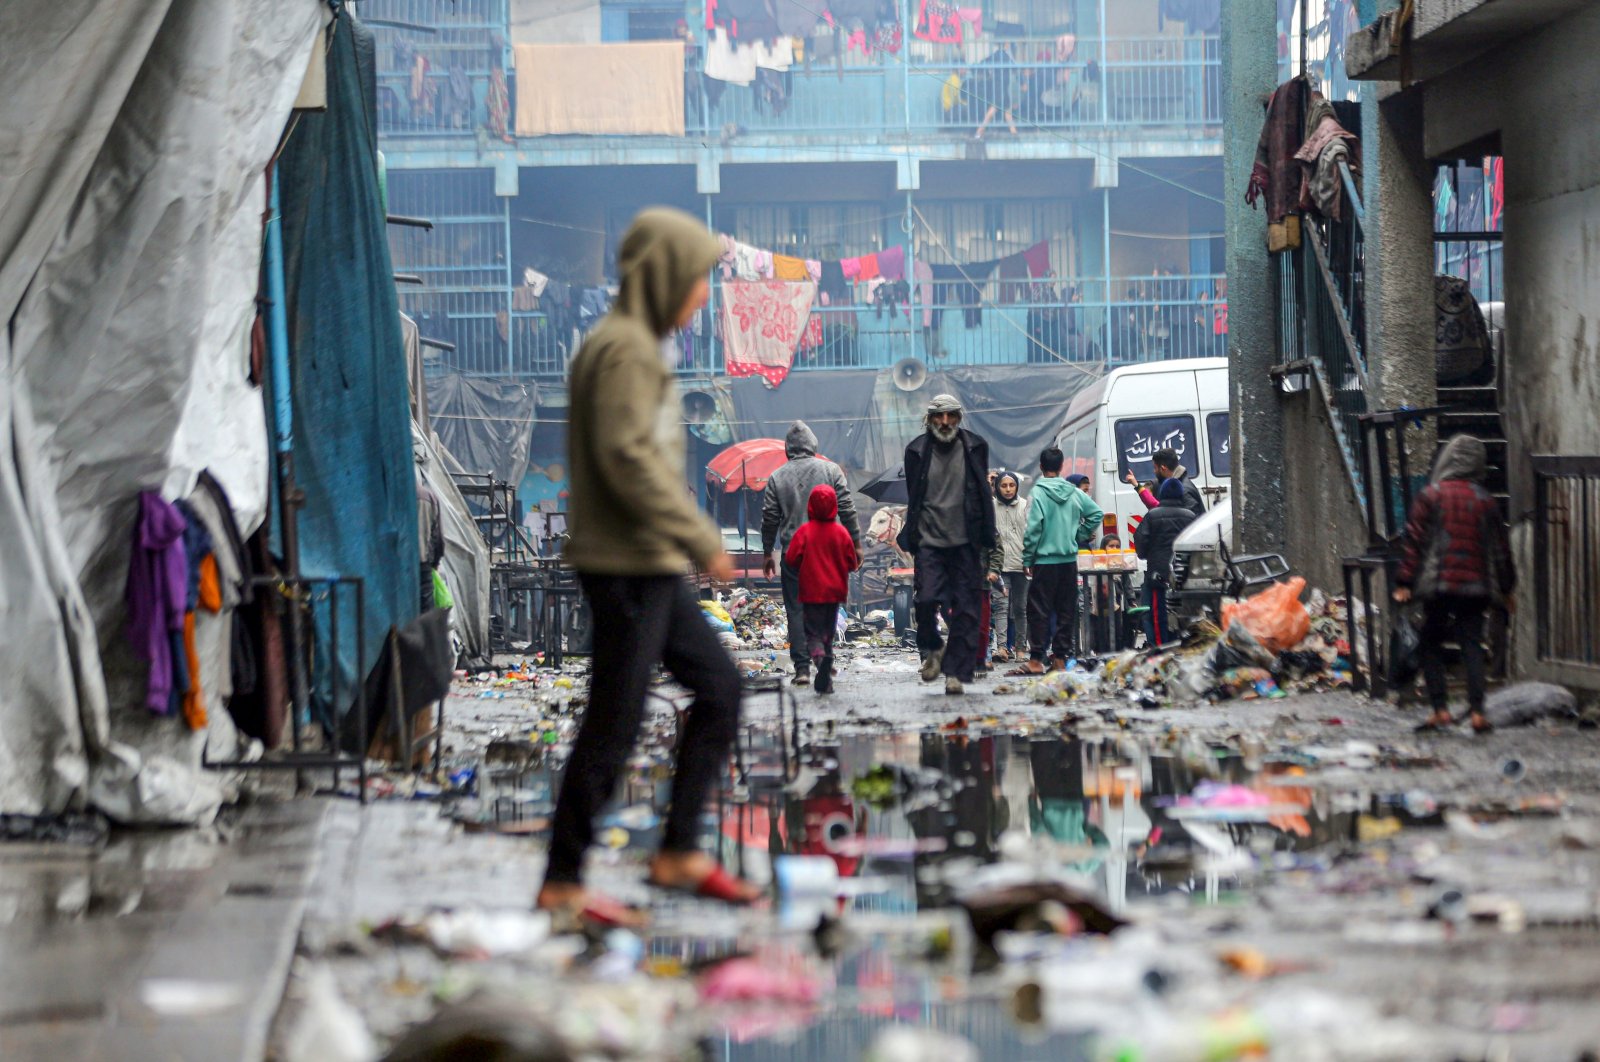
1056	487
663	254
160	523
823	504
1463	457
800	442
1170	490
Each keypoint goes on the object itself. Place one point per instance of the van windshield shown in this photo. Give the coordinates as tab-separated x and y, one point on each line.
1139	438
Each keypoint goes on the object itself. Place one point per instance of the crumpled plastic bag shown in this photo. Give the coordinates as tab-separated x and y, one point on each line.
717	616
1405	650
1525	703
1275	616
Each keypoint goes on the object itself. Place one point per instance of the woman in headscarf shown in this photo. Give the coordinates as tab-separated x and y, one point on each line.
1457	562
1009	587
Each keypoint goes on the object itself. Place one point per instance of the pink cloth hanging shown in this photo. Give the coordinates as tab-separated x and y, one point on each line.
892	263
763	324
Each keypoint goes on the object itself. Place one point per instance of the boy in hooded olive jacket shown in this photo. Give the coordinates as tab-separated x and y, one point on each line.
634	533
1061	520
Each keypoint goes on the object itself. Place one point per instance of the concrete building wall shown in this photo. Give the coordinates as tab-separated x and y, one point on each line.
555	21
1538	96
1322	519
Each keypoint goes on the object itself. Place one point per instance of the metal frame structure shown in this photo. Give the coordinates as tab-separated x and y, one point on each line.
301	594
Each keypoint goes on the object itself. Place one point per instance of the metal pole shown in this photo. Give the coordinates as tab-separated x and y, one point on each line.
290	498
1105	74
913	315
1305	32
511	323
1105	247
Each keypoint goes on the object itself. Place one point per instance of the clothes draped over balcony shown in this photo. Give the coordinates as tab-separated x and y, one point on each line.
634	88
763	323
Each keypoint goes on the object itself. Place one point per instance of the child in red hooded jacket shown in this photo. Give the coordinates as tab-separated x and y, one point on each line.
824	554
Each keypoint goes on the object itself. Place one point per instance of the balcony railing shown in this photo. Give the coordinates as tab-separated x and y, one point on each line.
1007	323
1107	84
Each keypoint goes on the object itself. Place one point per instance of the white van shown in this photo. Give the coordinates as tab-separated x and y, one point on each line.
1119	423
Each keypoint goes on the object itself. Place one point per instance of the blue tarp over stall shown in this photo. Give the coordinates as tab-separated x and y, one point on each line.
352	418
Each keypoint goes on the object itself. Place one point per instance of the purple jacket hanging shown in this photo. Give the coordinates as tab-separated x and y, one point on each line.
158	578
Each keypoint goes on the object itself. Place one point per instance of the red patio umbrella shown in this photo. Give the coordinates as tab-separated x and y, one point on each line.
747	465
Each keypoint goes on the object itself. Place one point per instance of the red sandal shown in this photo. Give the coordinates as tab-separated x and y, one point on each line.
599	912
717	885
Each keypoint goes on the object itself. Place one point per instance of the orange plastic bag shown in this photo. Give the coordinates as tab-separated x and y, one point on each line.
1275	616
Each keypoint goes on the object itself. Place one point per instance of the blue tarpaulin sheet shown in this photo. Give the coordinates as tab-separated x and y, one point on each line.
352	417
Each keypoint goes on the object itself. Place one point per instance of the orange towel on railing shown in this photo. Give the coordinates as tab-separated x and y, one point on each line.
786	268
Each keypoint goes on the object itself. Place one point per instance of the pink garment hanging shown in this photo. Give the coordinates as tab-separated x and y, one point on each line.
1038	257
869	267
764	264
938	22
973	16
851	267
763	323
892	263
814	268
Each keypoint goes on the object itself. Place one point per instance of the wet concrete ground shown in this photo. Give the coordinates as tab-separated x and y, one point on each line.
153	945
1360	892
1301	918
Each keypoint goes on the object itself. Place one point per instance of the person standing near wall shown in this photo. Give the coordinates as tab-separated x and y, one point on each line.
1457	562
949	529
1010	588
634	533
783	510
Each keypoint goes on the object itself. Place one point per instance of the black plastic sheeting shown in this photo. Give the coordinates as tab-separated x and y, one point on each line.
839	405
863	422
1017	408
352	429
485	423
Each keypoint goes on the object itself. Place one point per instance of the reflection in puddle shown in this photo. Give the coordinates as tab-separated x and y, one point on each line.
871	841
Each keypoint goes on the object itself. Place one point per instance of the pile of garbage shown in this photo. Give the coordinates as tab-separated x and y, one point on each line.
746	620
1269	645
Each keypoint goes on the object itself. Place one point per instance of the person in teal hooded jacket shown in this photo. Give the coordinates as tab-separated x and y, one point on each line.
1061	520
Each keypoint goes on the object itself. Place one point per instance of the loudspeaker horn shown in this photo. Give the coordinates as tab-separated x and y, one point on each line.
909	374
699	407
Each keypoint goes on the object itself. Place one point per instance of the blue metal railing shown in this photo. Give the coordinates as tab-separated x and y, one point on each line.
1143	319
1322	317
1106	84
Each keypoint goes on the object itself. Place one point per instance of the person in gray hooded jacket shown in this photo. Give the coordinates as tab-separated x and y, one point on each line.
783	510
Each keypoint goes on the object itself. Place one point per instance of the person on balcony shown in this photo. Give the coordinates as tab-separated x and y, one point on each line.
1457	562
991	88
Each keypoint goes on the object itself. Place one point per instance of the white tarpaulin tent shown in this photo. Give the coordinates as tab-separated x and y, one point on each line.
133	139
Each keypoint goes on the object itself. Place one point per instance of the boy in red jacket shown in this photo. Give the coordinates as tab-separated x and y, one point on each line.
824	555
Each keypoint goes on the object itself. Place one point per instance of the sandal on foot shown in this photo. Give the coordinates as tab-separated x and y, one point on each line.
1027	669
717	885
599	912
1480	729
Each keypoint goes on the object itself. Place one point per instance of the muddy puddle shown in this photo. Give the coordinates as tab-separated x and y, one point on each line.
872	843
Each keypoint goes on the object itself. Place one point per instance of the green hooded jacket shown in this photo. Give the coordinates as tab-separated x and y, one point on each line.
630	511
1061	520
